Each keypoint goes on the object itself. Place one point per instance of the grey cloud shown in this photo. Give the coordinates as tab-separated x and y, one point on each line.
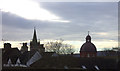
87	14
94	17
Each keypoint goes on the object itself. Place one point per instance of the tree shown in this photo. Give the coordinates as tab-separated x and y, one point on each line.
59	47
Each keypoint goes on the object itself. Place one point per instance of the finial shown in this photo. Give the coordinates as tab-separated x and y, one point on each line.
88	32
34	27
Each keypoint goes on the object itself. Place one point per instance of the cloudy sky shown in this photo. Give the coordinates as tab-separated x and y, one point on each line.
70	21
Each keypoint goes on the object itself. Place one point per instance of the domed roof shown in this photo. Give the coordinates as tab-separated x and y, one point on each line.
88	47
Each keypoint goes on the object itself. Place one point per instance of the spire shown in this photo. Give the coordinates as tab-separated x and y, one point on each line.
34	36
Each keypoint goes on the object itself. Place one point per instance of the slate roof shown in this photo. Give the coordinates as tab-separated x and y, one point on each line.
76	62
47	54
12	54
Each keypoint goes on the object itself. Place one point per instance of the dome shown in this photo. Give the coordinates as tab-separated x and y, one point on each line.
88	47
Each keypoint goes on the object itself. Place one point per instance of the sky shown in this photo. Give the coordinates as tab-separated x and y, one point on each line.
70	21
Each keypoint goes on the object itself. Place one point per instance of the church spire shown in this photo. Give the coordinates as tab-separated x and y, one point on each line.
34	36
